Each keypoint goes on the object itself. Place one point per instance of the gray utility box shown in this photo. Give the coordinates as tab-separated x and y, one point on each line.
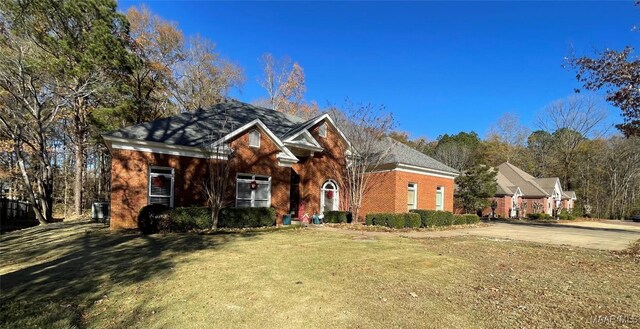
100	211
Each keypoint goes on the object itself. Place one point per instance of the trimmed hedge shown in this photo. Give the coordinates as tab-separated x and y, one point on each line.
412	220
156	218
431	218
426	217
247	217
337	217
186	219
539	216
471	218
150	216
459	220
393	220
565	215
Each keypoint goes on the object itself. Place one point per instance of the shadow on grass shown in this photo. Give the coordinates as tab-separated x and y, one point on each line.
64	270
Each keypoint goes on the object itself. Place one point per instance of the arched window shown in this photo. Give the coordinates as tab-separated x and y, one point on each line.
329	200
254	138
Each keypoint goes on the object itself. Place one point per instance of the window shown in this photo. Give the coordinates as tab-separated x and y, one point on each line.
254	138
322	130
253	191
440	198
160	186
412	196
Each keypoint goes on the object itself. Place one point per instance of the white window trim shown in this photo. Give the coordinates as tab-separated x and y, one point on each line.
336	195
441	188
149	178
259	137
253	192
415	195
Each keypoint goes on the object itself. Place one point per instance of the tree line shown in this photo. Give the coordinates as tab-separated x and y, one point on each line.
570	141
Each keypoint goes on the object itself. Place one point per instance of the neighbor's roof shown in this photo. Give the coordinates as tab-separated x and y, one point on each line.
548	184
195	128
400	153
504	186
569	195
518	177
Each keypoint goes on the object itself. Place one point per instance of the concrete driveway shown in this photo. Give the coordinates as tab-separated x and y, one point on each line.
607	235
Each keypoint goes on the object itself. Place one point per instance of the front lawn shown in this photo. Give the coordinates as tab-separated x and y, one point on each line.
85	276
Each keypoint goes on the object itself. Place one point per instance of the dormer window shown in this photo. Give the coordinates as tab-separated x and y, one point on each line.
322	130
254	138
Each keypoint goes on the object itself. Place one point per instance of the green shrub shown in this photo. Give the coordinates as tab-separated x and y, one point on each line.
150	216
368	220
471	218
540	216
186	219
443	218
412	220
426	217
565	215
247	217
337	217
459	220
393	220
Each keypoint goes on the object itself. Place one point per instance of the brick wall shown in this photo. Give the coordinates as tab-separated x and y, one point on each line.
130	170
388	192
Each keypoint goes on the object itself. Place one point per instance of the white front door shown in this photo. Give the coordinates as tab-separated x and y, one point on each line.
329	200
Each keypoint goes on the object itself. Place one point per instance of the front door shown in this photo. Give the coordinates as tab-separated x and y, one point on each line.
329	200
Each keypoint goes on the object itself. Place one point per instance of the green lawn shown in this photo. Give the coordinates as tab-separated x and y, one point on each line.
85	276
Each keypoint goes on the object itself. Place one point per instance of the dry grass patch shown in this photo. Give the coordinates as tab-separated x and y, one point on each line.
305	278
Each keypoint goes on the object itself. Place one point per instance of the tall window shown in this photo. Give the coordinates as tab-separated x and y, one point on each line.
322	130
254	138
440	198
160	186
253	191
412	196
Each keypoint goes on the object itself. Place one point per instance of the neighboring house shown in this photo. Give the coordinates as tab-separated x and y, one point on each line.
517	193
295	166
279	161
408	179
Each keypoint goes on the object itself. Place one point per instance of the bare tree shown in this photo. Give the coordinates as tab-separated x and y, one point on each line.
510	132
203	79
622	164
455	155
366	127
29	107
216	182
284	82
571	121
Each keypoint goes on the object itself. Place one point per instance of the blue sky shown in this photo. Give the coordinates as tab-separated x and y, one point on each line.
440	67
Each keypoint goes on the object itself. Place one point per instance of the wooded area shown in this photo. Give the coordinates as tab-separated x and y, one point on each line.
71	70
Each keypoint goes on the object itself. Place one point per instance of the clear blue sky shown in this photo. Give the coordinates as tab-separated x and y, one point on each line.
440	67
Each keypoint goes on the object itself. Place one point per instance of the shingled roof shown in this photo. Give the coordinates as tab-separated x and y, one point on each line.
402	154
514	176
195	128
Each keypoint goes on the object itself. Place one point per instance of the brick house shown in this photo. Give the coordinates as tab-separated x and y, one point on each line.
295	166
409	179
517	192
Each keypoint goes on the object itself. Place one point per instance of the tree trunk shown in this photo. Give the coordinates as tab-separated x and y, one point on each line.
79	175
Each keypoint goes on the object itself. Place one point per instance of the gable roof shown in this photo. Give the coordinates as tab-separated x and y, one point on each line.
569	195
518	177
195	128
548	184
400	153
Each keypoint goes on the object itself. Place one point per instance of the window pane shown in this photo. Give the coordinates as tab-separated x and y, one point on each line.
244	204
262	192
160	185
161	171
262	178
411	196
244	190
249	177
261	203
254	138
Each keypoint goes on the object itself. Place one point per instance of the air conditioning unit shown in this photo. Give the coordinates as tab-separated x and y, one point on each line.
100	211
